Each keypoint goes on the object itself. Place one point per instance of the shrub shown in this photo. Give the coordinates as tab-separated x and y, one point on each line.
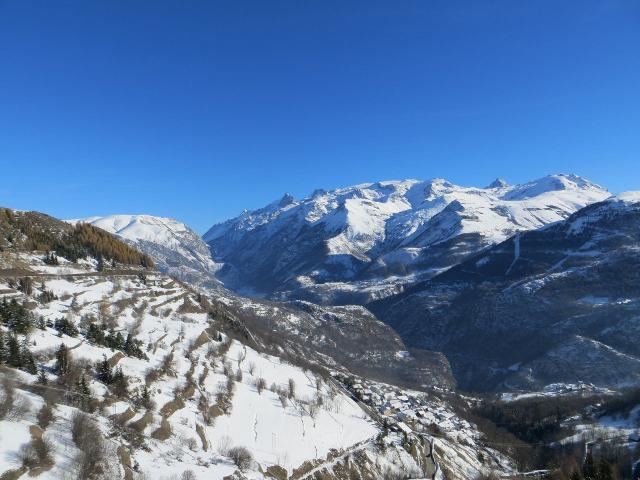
282	396
292	389
224	446
45	416
85	433
35	453
241	456
43	448
7	397
28	456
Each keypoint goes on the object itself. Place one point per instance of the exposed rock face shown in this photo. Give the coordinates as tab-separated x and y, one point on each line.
176	249
361	243
345	336
558	304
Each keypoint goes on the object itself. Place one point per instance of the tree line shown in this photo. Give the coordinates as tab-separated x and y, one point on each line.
34	231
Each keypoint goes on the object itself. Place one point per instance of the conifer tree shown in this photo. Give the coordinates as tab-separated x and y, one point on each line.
62	360
26	358
104	372
3	349
120	384
42	377
146	397
82	387
128	344
13	352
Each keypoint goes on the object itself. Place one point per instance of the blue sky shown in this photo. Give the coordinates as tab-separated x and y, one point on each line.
198	109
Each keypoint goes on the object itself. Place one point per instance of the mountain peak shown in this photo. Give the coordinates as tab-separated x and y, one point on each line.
574	185
628	197
287	199
498	183
380	232
175	247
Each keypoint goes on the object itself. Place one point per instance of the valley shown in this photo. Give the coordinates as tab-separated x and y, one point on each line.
394	330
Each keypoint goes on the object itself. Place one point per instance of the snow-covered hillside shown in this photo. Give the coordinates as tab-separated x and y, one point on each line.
365	242
195	391
176	248
112	370
562	300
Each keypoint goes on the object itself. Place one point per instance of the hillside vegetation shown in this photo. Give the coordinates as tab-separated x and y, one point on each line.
29	231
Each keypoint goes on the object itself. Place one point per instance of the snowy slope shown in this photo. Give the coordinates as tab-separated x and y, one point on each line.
175	248
373	237
279	429
562	300
198	381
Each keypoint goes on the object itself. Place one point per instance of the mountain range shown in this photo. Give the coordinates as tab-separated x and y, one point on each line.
415	254
366	242
556	304
177	250
325	338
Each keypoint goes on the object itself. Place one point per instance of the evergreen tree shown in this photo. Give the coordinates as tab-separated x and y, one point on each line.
74	307
104	372
16	316
82	393
13	352
128	344
42	377
95	334
51	259
100	266
3	349
26	358
66	327
83	387
114	340
120	383
118	341
62	360
145	397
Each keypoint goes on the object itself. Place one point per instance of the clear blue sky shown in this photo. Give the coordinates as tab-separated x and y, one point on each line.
197	109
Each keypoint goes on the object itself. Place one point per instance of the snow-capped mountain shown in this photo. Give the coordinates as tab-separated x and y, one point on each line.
175	248
355	244
557	304
113	370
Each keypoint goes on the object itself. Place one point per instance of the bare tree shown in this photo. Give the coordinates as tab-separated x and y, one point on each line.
241	456
7	397
282	396
224	445
45	416
292	388
261	384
